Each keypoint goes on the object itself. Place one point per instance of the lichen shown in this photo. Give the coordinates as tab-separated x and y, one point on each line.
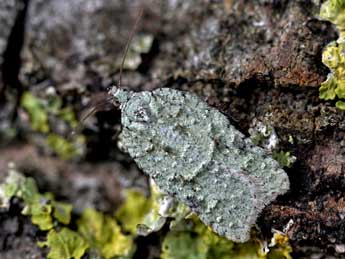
37	113
333	55
192	239
104	235
279	246
65	244
97	232
66	149
284	158
40	110
265	136
141	215
42	208
334	11
100	235
133	210
195	155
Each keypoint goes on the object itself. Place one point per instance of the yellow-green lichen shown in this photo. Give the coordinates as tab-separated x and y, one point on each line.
37	113
285	159
334	11
281	247
54	105
96	231
333	55
39	110
133	210
104	235
42	208
141	216
192	239
65	244
66	149
62	212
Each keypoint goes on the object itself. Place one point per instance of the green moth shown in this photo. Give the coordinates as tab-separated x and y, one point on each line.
194	154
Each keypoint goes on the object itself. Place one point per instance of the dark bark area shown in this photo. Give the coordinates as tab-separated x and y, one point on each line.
250	59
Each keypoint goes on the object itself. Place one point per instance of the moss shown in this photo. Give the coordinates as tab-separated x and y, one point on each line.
104	235
65	244
333	55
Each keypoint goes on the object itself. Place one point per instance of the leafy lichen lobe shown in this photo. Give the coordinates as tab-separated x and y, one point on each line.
333	55
194	154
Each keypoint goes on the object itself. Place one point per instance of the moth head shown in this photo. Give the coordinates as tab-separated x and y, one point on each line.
137	108
119	96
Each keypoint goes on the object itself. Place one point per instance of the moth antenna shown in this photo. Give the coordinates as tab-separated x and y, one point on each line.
98	106
129	42
95	108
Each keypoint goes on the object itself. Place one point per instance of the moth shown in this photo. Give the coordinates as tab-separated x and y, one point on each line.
194	154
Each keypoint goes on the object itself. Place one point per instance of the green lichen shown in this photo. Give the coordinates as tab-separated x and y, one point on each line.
265	136
192	239
66	149
54	106
65	244
96	231
153	220
39	110
104	235
334	11
42	208
133	210
285	159
141	216
62	212
281	248
333	55
41	213
37	113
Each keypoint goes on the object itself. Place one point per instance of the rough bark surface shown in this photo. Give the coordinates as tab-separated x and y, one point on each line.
250	59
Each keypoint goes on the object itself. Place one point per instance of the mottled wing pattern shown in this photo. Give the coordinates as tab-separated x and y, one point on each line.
193	153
